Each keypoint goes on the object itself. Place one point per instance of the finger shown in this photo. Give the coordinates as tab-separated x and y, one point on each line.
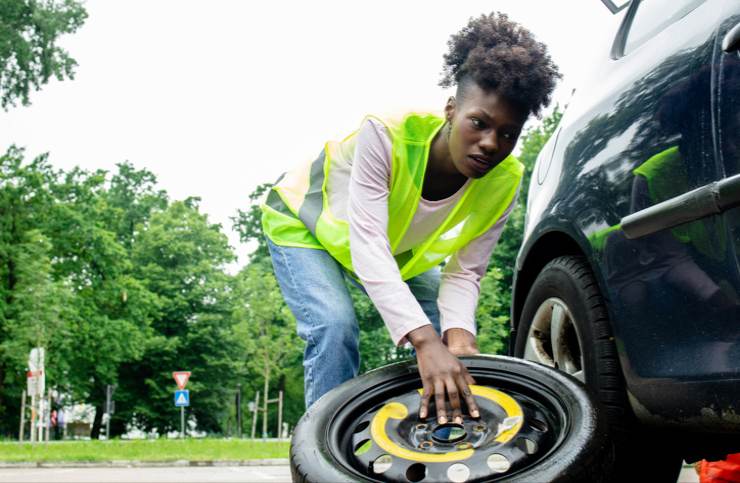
454	396
426	393
469	398
439	399
468	378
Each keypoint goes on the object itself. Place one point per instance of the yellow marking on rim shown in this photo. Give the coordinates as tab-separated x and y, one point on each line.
507	403
396	410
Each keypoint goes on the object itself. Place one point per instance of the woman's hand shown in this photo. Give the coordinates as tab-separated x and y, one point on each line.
441	372
460	342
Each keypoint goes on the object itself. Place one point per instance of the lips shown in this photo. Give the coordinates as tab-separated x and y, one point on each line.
480	163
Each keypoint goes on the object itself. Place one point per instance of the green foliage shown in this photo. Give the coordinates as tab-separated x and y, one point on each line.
112	308
180	258
33	304
265	331
376	347
29	54
248	223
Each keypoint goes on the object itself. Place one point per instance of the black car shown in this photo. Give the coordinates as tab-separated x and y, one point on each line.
628	277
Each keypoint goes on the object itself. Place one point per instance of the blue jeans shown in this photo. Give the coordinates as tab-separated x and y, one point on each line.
314	286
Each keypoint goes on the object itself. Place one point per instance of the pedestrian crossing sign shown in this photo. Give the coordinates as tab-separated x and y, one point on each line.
182	398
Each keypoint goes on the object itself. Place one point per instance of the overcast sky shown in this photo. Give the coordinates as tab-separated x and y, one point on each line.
216	97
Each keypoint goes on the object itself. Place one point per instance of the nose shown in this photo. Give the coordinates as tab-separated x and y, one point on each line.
489	142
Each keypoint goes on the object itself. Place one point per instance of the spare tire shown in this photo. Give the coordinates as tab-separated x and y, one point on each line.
536	424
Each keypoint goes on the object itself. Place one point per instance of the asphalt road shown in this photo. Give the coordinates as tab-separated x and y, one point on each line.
212	474
215	474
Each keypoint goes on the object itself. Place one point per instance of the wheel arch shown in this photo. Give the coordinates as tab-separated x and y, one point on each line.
547	247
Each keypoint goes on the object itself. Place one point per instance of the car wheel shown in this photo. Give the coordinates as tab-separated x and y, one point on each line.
565	325
536	424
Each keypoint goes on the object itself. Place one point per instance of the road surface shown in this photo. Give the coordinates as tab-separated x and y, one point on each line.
180	474
212	474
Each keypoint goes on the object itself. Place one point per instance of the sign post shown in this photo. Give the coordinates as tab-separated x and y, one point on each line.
182	399
239	410
23	416
109	408
36	380
182	396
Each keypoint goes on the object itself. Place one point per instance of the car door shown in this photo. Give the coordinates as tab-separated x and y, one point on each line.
672	268
727	135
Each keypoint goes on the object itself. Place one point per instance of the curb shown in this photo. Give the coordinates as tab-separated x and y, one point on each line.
142	464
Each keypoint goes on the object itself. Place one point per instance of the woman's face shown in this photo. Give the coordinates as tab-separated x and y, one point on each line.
484	128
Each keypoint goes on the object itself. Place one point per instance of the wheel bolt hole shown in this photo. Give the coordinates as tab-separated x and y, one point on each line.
526	445
416	472
421	427
498	463
458	473
361	427
539	425
363	447
449	433
382	463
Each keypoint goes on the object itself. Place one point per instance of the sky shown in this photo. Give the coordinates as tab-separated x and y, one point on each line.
216	97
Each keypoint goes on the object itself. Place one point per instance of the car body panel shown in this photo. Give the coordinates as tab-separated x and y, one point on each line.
648	129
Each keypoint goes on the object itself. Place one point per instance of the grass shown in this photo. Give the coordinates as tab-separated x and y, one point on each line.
144	450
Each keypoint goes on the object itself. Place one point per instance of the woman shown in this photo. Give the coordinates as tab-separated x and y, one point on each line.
391	202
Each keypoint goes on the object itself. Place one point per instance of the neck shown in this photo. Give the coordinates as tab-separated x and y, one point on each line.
441	178
440	161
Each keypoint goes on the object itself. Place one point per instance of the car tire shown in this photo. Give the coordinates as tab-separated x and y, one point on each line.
575	449
585	337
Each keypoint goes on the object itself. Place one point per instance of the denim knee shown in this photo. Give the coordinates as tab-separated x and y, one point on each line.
336	330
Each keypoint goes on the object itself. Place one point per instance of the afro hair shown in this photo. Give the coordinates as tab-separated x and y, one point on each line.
503	57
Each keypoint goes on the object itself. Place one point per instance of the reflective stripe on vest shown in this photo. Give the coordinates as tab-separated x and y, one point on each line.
307	207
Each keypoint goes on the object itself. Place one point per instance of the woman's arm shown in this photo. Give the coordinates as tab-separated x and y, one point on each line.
460	288
370	249
442	374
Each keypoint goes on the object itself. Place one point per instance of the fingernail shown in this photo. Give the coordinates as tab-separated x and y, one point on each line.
422	414
442	420
475	413
458	420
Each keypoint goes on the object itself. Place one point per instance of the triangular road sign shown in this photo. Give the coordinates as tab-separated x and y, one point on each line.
181	378
182	398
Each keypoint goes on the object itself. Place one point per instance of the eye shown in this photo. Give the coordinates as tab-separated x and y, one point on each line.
477	123
508	135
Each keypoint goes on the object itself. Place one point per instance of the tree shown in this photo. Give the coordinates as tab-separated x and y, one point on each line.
32	303
248	223
132	197
110	323
265	330
179	257
29	54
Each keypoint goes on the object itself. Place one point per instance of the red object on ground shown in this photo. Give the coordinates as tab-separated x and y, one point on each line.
724	471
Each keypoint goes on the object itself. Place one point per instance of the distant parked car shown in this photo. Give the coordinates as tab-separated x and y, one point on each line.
628	277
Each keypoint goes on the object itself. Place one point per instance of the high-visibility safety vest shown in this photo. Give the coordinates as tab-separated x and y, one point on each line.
307	207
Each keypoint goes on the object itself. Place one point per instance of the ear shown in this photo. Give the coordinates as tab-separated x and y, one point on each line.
450	108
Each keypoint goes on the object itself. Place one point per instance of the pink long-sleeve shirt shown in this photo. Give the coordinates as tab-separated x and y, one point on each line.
371	253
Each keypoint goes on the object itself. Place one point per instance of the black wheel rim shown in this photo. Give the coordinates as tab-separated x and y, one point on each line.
378	436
